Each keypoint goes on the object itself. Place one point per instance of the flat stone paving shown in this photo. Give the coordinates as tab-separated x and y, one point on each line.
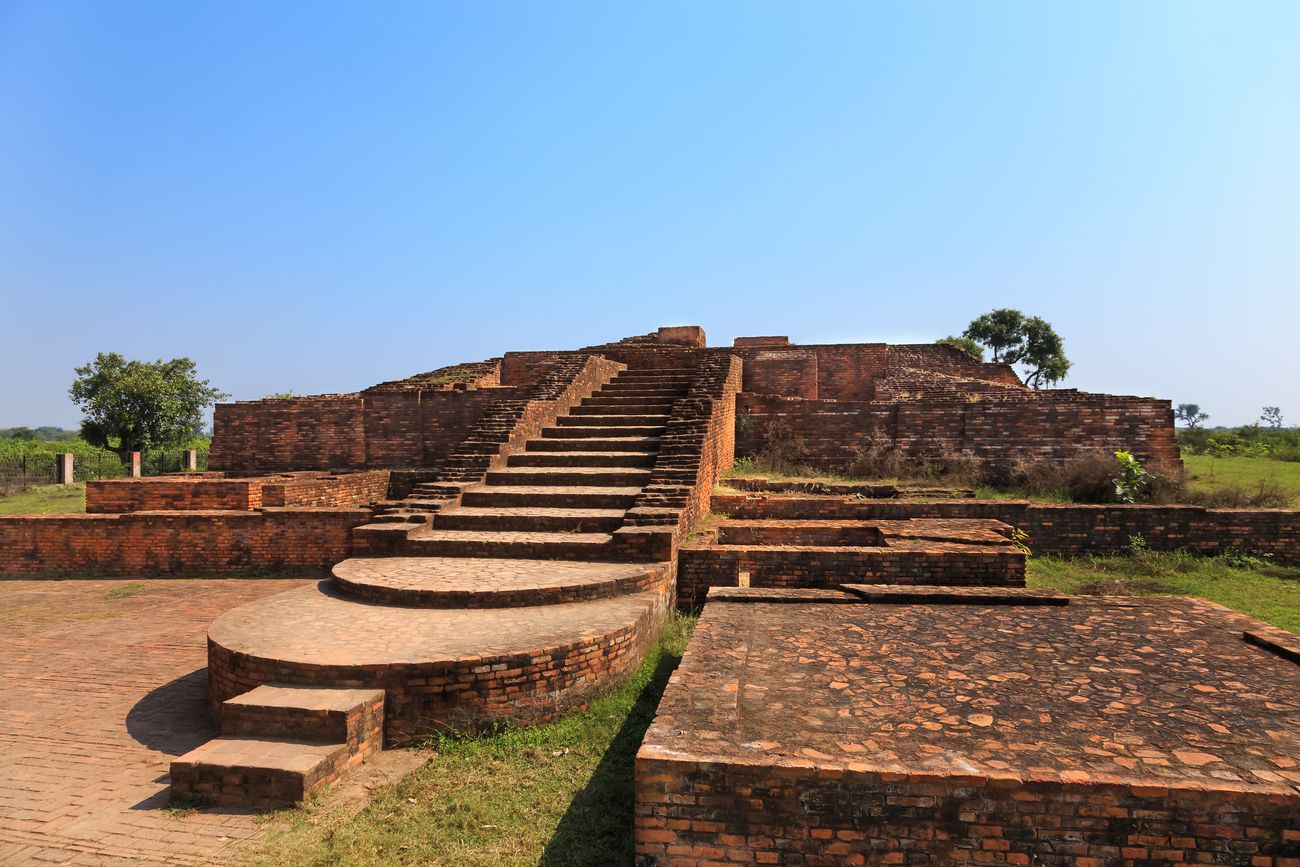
97	695
321	626
1104	690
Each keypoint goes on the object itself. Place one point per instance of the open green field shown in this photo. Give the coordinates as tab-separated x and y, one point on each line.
49	500
1251	586
1208	473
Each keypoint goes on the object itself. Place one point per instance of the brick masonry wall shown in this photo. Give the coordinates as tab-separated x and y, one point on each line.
997	430
699	568
211	492
381	429
172	493
697	813
159	543
1068	530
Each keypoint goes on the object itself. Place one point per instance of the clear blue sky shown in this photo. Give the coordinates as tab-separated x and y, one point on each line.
319	197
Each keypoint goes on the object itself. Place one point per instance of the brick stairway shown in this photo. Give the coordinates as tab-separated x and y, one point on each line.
501	595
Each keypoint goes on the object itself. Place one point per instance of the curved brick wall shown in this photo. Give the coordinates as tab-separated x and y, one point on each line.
522	685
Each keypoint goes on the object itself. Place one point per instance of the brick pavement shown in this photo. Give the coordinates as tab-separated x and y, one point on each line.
97	694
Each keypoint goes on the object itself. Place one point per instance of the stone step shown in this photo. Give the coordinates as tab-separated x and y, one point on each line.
600	415
531	545
491	582
646	405
601	431
531	519
685	374
615	477
582	459
576	497
619	443
354	717
280	744
632	389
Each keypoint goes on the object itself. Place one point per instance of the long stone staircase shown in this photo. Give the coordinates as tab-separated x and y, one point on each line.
497	592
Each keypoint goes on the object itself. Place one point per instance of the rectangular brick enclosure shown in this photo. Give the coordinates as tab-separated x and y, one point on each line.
886	725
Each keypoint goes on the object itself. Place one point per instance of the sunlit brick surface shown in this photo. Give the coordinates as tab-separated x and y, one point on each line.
1104	731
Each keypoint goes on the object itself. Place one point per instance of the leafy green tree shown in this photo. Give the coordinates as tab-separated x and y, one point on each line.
1043	354
1190	414
137	405
1026	340
965	344
1272	416
1002	331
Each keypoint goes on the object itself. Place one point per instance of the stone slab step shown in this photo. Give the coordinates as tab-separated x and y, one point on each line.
650	404
636	389
575	497
617	477
596	444
534	518
599	415
257	772
354	717
602	431
487	582
531	545
582	459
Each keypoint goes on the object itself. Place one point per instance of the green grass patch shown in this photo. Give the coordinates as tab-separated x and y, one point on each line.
50	500
558	794
125	591
1208	473
1248	585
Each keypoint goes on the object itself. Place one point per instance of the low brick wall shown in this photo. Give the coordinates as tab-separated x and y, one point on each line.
1068	530
698	569
213	491
160	543
694	813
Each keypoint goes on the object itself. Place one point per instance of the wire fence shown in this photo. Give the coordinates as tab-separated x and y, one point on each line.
22	472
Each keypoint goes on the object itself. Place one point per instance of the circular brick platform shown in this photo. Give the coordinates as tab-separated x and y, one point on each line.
441	669
464	582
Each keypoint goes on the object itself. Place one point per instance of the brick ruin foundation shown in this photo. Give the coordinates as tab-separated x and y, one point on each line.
501	541
885	725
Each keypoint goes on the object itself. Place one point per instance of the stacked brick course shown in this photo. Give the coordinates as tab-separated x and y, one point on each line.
1068	530
212	491
162	543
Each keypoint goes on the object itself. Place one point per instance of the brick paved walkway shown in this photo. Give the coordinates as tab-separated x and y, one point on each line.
97	694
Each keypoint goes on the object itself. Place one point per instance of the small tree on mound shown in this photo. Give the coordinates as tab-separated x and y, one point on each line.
132	406
1030	341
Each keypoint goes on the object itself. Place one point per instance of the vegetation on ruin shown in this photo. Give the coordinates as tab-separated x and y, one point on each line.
1029	341
558	794
1248	583
139	405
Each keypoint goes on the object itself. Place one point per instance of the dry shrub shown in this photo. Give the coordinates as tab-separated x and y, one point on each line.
1267	494
781	449
1087	477
955	468
877	458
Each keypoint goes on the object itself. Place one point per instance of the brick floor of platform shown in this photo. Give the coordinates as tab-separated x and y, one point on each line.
96	697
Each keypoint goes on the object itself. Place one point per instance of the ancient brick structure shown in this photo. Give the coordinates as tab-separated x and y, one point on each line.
216	491
1064	529
879	725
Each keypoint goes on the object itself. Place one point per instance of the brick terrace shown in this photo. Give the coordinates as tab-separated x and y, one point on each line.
816	727
97	695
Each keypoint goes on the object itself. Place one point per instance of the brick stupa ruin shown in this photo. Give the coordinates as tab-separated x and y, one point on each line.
505	539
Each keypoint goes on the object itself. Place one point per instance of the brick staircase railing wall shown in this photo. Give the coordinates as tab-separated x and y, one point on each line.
209	491
164	543
996	429
1067	530
696	448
